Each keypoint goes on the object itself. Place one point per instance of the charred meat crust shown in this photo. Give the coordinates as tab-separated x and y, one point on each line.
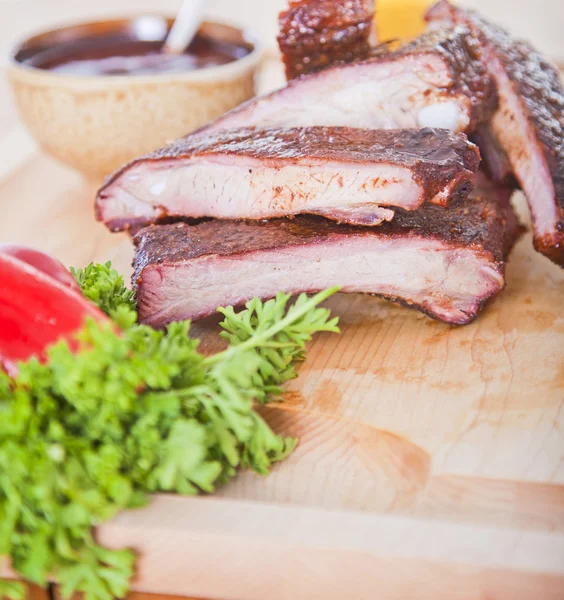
434	156
538	85
317	33
552	245
490	226
461	51
535	80
412	148
457	46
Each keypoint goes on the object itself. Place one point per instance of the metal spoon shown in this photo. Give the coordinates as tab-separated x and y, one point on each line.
185	26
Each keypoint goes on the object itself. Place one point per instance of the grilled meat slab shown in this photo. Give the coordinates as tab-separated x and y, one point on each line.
446	262
437	81
348	175
529	124
317	33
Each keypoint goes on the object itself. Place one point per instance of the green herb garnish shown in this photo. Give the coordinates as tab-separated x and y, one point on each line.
95	430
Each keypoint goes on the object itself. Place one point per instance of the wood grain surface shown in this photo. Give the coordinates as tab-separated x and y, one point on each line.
425	449
431	461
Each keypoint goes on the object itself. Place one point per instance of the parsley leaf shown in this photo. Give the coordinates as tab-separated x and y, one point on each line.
96	429
106	288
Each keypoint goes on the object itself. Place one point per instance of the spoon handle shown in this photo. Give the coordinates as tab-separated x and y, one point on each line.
185	26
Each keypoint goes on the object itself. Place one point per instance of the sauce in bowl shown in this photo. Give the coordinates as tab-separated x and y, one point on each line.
135	50
98	94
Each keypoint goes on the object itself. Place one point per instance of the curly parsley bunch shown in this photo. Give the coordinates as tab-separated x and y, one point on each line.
96	429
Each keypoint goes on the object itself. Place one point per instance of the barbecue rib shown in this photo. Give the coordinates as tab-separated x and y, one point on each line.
317	33
445	262
437	81
529	124
348	175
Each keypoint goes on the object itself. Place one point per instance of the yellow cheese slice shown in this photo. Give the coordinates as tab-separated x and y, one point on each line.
400	19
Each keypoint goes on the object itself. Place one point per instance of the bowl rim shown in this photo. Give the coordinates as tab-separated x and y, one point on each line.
229	70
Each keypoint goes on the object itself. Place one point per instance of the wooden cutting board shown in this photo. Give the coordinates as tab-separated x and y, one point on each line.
431	458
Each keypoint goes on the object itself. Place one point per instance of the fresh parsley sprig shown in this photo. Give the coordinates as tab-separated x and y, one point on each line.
94	430
105	287
275	335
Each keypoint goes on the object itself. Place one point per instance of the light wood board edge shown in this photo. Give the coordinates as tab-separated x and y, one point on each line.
325	554
231	550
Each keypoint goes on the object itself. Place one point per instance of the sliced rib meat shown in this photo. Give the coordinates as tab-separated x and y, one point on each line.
529	124
445	262
437	81
348	175
317	33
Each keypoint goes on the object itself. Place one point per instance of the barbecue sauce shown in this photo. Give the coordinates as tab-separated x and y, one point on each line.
118	53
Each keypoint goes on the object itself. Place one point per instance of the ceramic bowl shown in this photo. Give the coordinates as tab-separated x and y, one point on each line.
96	123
